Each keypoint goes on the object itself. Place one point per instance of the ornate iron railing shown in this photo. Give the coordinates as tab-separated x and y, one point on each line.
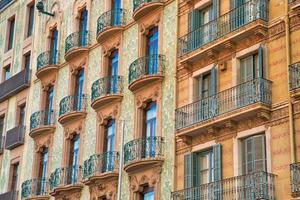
34	187
234	19
259	185
256	90
47	58
15	137
72	103
107	86
294	76
65	176
42	118
101	163
139	3
110	19
295	179
144	148
147	65
76	40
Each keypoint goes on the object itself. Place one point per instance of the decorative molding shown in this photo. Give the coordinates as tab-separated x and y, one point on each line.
146	26
103	118
69	132
276	30
40	143
74	68
47	84
107	49
141	101
107	189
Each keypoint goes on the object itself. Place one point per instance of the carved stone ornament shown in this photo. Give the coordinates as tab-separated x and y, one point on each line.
141	101
108	49
74	68
39	144
145	27
47	84
103	118
70	132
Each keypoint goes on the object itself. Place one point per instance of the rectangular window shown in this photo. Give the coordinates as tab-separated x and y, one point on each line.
54	46
11	28
109	146
27	59
147	194
30	20
254	154
152	51
22	115
43	171
6	73
249	68
113	72
48	105
1	126
79	89
73	160
14	180
83	27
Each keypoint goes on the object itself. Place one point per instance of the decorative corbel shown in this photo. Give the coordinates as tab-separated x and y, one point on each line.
264	115
230	124
212	130
230	45
261	32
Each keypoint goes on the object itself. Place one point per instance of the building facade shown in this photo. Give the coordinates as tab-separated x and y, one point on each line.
237	104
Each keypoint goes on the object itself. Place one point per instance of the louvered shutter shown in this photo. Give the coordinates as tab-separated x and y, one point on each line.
217	172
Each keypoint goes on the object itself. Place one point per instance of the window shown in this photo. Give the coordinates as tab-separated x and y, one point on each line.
116	6
22	115
48	105
109	145
11	28
254	154
79	89
6	73
30	20
83	27
53	46
113	72
249	68
1	127
14	180
150	120
43	171
204	84
73	160
147	194
152	51
27	61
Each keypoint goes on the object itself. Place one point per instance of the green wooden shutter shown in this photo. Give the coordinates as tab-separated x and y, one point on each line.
194	20
217	172
195	170
216	9
260	62
213	101
188	171
200	79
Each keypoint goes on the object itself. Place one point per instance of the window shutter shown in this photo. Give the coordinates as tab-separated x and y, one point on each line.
260	62
217	162
200	78
188	171
216	10
194	20
213	82
195	170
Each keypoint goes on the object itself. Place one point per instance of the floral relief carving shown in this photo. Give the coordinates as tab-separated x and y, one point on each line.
40	143
70	132
109	48
101	189
103	118
141	101
47	84
146	26
74	68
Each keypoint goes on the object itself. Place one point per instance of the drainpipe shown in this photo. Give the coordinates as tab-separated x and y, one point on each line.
121	160
288	60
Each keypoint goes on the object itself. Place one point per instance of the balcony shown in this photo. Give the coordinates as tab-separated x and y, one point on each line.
294	79
295	5
236	103
143	7
295	179
101	167
106	90
47	63
9	195
76	43
35	189
246	20
3	4
146	70
71	108
14	85
2	143
42	122
15	137
66	179
259	185
143	152
109	23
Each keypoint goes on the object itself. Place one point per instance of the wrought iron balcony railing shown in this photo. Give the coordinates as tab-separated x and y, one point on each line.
72	103
254	91
47	58
138	3
42	118
259	185
107	86
65	176
12	195
110	19
15	137
147	65
101	163
233	20
77	40
144	148
294	76
15	84
295	179
4	3
34	188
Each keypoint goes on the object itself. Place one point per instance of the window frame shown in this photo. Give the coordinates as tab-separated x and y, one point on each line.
10	33
30	20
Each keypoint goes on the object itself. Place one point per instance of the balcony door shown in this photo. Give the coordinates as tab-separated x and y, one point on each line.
152	51
148	194
14	180
73	160
83	28
43	171
22	115
113	72
48	106
53	46
2	132
149	145
116	12
109	145
79	84
207	28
